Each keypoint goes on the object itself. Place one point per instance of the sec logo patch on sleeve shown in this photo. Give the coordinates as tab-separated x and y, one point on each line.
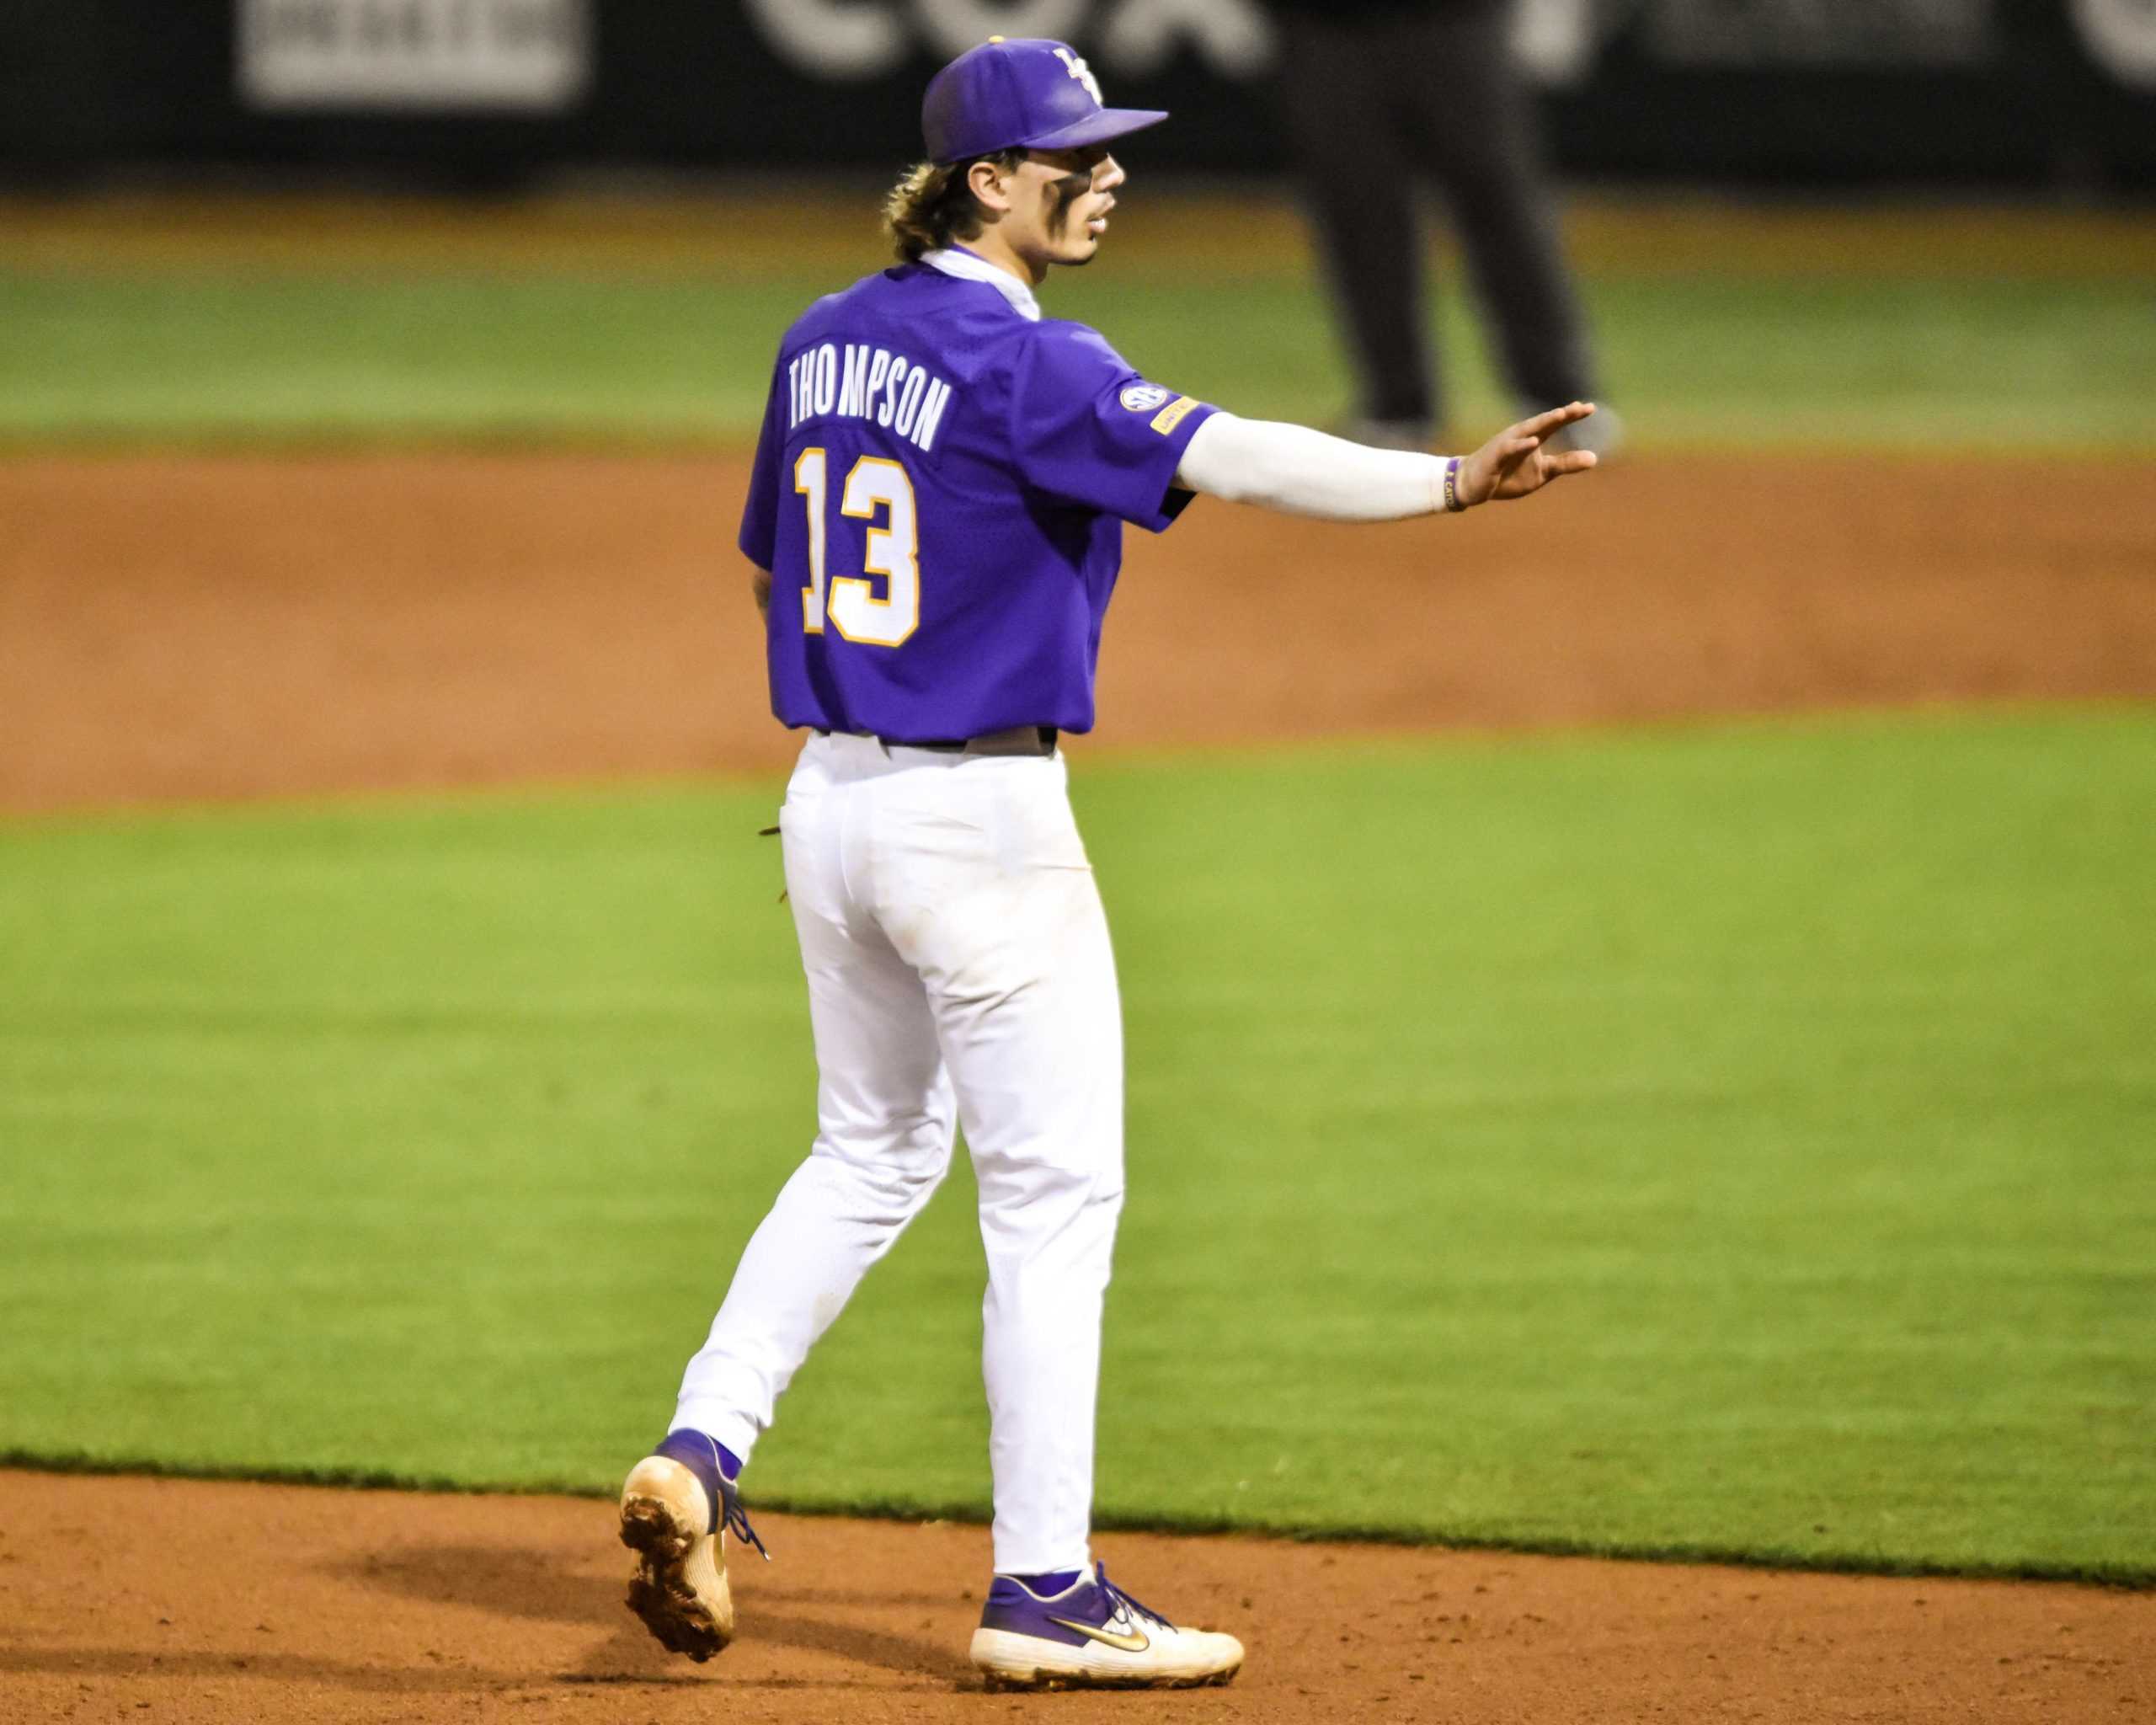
1143	397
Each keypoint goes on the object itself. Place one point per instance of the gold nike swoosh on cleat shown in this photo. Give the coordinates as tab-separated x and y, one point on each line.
1132	1643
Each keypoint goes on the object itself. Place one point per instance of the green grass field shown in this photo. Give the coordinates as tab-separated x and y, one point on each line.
1714	327
1734	1139
2001	366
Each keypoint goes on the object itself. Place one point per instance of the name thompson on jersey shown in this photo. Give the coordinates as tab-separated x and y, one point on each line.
865	383
943	477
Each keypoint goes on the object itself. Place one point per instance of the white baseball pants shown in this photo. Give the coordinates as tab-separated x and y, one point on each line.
958	970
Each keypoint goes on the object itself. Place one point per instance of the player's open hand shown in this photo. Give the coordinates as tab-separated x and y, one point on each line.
1515	461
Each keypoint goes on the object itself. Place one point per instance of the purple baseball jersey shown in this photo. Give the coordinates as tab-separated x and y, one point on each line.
939	493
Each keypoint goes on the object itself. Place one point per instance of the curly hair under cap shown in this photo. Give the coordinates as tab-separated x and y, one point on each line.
931	204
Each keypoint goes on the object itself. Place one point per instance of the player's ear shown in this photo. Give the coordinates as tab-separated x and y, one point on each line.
990	183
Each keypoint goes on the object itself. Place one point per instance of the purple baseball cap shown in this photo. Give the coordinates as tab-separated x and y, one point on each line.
1021	93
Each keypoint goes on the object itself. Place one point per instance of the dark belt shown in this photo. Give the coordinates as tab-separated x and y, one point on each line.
1017	739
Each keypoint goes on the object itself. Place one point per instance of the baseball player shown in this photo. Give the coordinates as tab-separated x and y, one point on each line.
936	518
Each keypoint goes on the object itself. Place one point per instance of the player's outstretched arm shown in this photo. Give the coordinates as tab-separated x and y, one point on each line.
1302	472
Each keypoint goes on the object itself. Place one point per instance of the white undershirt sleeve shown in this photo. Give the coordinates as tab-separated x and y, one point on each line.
1306	473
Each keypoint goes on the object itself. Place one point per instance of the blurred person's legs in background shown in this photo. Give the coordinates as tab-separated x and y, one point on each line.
1372	94
1360	190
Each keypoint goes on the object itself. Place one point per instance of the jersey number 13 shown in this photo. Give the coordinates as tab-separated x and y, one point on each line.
893	551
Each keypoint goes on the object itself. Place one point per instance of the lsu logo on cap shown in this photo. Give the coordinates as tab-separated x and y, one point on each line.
1084	73
1143	397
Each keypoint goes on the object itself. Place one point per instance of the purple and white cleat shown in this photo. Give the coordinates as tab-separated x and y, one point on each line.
678	1505
1093	1635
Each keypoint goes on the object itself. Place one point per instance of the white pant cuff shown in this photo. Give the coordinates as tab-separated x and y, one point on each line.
722	1425
1083	1563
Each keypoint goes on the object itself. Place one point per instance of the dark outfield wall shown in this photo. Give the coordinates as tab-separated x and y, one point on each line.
1831	91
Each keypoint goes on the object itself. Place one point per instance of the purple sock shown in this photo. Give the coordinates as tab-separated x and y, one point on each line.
1048	1585
707	1458
699	1451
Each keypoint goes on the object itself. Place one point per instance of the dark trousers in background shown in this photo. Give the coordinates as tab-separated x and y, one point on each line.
1375	99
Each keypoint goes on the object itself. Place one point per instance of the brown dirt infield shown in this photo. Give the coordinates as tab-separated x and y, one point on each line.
238	626
183	1601
241	626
